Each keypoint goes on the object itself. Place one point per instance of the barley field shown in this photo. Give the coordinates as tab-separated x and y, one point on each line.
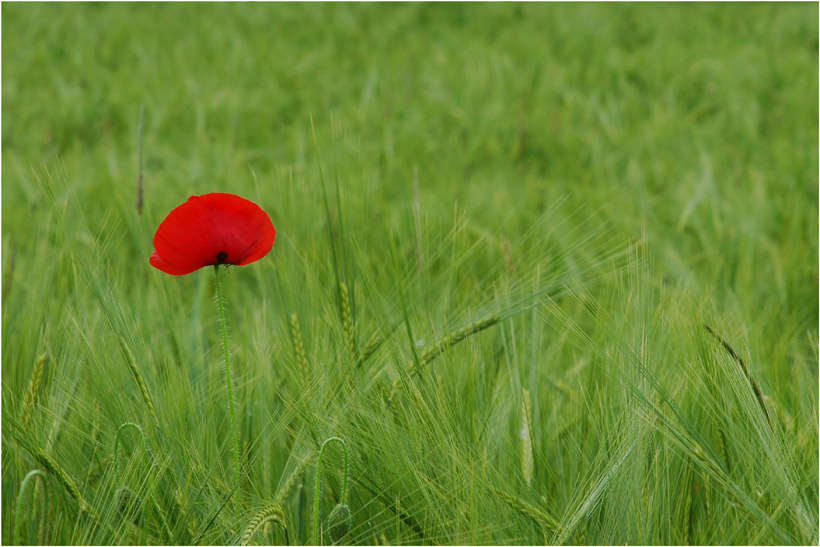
543	274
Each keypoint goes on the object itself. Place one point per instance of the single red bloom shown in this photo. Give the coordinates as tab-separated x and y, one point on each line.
212	229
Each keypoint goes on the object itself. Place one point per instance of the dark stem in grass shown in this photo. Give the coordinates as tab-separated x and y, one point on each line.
9	273
755	387
220	308
139	161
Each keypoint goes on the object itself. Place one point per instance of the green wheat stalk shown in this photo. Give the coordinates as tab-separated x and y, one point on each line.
687	510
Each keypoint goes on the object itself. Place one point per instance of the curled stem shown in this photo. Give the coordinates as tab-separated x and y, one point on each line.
316	535
117	443
220	308
18	506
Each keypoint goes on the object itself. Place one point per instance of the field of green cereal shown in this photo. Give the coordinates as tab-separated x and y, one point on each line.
548	271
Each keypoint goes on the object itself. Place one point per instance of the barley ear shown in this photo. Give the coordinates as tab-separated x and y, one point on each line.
369	348
60	474
46	514
527	509
758	393
455	337
146	396
441	346
33	389
526	438
271	513
299	348
289	484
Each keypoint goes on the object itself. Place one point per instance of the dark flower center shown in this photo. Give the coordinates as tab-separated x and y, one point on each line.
221	257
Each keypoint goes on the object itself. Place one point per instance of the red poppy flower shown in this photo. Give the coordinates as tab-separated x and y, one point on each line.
212	229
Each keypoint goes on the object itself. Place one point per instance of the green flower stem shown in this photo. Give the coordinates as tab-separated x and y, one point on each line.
316	535
220	307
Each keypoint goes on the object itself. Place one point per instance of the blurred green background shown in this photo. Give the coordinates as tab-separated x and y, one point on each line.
695	124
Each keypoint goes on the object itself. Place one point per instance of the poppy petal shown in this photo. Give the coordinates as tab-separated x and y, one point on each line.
158	263
215	228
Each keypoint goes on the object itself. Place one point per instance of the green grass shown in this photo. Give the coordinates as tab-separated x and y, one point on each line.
473	203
